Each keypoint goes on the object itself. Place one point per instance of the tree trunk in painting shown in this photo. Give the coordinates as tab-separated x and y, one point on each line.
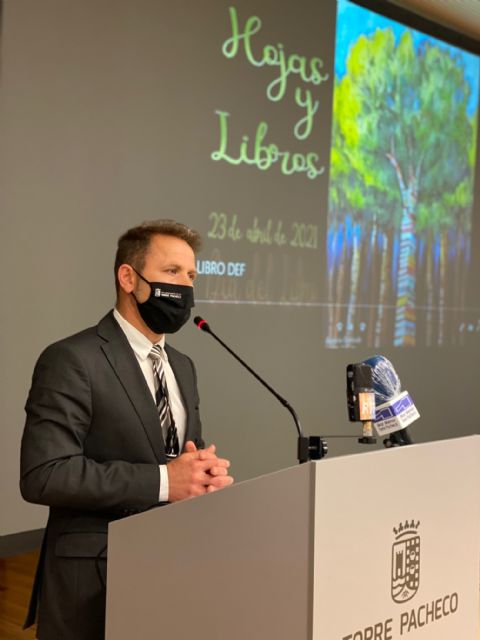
339	291
332	276
430	290
354	278
383	294
373	292
441	288
405	314
463	291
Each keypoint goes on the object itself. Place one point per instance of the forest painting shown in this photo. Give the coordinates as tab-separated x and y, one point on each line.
404	138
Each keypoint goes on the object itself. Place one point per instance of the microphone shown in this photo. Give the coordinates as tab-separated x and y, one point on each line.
395	409
309	447
361	399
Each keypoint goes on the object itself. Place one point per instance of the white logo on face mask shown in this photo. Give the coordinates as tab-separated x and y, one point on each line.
171	295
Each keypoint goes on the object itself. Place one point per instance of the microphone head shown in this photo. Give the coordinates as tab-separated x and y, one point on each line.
201	323
386	382
394	410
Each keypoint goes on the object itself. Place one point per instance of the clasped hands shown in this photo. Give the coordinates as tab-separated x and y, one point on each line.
195	472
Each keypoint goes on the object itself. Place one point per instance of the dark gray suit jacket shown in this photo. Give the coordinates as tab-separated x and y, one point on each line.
90	451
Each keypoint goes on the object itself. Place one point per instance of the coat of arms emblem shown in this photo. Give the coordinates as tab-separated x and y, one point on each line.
405	561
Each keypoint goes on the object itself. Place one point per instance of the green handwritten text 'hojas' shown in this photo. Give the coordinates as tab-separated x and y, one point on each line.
263	155
309	70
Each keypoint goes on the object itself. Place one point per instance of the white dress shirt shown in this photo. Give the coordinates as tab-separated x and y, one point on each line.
142	346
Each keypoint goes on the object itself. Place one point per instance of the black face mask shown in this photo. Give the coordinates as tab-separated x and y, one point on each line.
168	307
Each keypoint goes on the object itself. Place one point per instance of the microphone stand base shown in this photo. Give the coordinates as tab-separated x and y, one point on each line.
398	439
311	448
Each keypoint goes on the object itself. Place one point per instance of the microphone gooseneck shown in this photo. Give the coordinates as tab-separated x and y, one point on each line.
309	448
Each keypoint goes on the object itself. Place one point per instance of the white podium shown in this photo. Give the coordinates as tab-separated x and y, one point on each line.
375	546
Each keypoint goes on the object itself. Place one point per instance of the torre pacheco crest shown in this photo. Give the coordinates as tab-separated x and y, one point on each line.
405	561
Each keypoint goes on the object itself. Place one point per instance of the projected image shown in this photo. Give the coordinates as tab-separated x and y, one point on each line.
404	137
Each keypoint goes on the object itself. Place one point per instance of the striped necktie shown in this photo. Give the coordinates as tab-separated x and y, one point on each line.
167	422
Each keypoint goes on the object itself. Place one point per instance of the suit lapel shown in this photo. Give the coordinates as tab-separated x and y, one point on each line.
125	365
183	376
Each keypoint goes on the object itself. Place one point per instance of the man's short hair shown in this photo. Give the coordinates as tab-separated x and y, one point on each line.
133	245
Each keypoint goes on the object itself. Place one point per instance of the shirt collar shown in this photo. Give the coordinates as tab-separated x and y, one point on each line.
140	344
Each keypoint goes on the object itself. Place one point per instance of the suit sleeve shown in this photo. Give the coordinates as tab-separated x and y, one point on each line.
54	468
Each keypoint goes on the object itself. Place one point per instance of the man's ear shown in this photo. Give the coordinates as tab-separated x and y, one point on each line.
126	278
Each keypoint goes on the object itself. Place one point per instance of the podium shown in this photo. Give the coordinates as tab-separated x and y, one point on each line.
375	546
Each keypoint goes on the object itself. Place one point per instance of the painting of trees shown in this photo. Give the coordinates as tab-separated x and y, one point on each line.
401	185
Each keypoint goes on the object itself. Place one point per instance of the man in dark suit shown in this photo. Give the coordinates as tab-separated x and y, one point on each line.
105	414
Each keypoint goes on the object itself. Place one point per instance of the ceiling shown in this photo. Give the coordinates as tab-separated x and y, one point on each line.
461	15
